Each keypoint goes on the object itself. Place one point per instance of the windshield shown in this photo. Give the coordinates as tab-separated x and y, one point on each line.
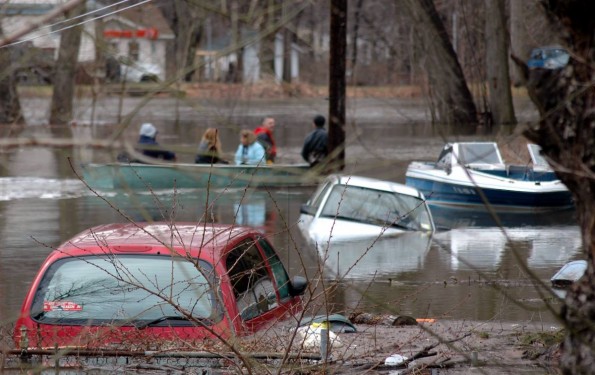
378	207
124	290
536	157
479	153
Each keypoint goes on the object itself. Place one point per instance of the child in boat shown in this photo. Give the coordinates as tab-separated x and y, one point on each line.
148	137
209	148
249	151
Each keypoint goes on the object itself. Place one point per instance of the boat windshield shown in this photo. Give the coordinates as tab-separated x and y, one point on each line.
125	290
536	157
377	207
479	153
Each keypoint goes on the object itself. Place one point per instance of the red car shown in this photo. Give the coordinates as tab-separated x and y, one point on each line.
139	284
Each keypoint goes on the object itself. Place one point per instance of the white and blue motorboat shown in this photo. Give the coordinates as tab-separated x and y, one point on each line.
472	174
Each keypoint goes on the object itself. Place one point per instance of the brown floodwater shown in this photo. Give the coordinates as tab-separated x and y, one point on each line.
469	270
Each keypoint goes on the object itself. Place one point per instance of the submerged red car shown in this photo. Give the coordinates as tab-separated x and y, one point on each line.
122	284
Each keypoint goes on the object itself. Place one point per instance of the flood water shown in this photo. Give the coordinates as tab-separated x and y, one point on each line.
470	269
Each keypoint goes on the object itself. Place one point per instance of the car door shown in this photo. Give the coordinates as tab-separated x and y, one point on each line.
260	283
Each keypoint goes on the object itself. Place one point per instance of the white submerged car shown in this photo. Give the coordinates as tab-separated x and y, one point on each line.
351	207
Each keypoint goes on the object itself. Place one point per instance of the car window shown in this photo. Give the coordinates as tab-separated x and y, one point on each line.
385	208
319	196
279	273
125	290
250	280
537	54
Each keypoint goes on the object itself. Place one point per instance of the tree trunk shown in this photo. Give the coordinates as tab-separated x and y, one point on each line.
237	72
64	76
518	36
355	36
566	132
498	79
287	40
455	104
10	106
337	63
186	21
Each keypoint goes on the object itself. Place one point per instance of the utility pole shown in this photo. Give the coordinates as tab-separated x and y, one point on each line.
337	85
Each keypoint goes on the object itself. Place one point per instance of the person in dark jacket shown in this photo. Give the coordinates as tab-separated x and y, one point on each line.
147	137
209	148
315	145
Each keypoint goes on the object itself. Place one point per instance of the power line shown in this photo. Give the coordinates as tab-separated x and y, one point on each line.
84	15
77	24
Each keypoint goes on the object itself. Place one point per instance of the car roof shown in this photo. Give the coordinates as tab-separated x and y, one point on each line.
376	184
186	238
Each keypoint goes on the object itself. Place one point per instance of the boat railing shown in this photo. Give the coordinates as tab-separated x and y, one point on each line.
486	166
425	165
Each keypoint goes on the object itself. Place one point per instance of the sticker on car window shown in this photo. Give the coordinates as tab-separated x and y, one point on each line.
61	306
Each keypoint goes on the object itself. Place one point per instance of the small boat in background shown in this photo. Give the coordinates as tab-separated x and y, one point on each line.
186	175
469	174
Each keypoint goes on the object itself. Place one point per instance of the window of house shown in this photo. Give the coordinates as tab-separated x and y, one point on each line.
133	50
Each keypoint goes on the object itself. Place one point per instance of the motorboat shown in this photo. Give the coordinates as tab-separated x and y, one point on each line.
472	174
348	207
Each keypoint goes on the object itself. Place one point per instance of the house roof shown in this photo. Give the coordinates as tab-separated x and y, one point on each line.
145	15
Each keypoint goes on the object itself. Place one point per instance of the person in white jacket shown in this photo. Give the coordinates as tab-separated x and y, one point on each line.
249	151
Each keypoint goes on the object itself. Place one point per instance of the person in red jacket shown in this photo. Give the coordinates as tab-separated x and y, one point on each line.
264	135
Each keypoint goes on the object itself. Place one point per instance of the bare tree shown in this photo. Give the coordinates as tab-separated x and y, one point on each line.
498	79
65	71
566	132
186	21
10	106
452	96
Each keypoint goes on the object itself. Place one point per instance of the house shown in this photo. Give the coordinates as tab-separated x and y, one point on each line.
220	59
136	36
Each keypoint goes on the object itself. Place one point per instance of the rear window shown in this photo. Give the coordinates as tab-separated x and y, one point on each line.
125	290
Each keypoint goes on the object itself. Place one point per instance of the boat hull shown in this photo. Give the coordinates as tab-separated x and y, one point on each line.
181	176
471	188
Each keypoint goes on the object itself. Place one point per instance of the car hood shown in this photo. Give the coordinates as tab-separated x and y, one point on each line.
320	230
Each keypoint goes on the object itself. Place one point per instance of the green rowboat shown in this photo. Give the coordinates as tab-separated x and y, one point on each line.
182	176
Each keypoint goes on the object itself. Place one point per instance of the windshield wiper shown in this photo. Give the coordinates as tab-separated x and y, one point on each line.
153	322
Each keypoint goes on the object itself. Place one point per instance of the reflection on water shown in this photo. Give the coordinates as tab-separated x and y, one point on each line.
384	257
483	249
450	217
460	274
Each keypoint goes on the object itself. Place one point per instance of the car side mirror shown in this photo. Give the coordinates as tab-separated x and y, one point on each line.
298	285
307	209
